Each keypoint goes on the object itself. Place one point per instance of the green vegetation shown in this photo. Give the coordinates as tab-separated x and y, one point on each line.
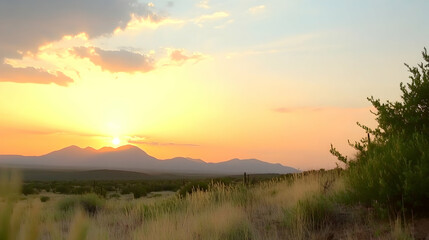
44	198
91	203
391	170
296	206
139	188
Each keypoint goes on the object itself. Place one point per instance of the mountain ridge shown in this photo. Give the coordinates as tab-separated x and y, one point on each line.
130	157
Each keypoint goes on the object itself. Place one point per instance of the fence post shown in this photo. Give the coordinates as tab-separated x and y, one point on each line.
244	179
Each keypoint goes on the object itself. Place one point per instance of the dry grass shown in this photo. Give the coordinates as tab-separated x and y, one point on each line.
299	208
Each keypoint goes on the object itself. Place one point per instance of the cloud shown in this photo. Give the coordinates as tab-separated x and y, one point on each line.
162	144
138	23
116	61
209	17
144	140
32	130
257	9
177	56
203	4
32	75
27	24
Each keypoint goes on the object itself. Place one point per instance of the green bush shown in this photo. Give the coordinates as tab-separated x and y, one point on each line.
44	198
391	170
114	195
138	191
28	189
63	189
91	203
190	187
80	190
68	204
394	174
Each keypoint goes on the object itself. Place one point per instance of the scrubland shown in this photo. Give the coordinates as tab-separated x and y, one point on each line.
301	206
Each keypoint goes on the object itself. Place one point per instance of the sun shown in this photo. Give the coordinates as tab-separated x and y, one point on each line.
116	141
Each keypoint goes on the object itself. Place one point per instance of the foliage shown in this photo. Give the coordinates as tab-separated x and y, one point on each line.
63	189
412	114
28	189
190	187
138	190
91	203
391	169
394	173
115	195
44	198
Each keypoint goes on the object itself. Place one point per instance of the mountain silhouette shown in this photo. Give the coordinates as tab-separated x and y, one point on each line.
129	157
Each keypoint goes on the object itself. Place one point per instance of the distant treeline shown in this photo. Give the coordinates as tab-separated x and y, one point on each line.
140	188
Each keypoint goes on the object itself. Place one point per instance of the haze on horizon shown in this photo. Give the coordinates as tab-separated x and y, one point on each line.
214	80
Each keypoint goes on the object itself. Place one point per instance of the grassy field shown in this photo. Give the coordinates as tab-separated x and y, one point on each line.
301	206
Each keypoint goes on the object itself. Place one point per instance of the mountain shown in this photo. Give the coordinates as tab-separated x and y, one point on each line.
252	166
132	158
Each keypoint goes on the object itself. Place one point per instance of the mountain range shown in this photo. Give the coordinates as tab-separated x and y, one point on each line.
132	158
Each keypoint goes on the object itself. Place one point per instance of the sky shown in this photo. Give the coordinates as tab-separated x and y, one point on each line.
276	80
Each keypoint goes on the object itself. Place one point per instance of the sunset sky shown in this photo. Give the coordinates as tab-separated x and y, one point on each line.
276	80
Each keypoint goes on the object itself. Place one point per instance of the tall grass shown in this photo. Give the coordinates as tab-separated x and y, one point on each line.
298	207
214	222
22	219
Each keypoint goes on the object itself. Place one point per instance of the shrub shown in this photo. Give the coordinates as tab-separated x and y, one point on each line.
63	189
114	195
44	198
67	204
138	191
126	190
91	203
394	174
80	190
391	170
28	189
190	187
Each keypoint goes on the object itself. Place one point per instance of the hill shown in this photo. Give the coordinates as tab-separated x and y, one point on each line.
132	158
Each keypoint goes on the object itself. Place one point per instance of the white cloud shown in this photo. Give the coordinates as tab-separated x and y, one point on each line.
209	17
203	4
257	9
